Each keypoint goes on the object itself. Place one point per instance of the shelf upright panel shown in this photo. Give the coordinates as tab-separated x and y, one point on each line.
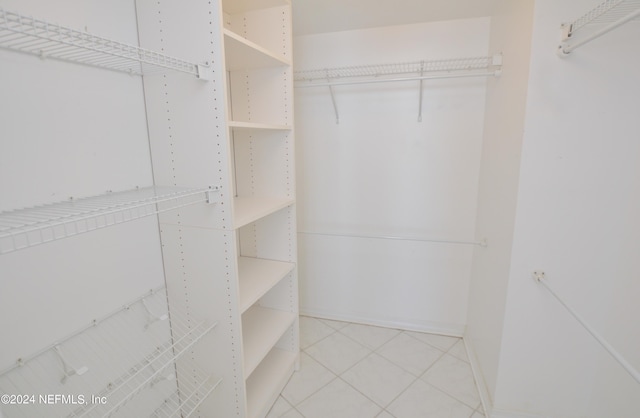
189	140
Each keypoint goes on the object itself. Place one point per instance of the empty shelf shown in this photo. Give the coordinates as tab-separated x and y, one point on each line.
268	380
257	276
250	209
242	54
236	125
33	36
261	330
36	225
240	6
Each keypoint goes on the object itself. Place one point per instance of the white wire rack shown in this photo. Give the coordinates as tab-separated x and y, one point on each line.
602	19
396	72
27	227
418	69
26	34
130	363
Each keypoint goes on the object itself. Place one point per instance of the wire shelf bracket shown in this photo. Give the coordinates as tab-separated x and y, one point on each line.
607	16
23	228
420	71
47	40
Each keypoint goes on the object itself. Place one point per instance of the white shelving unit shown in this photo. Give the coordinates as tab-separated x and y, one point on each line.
249	239
223	337
597	22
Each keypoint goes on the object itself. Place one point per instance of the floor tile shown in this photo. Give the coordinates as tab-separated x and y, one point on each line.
441	342
378	379
454	377
477	415
338	400
423	400
369	336
412	355
312	330
311	377
337	352
385	414
459	351
292	414
279	408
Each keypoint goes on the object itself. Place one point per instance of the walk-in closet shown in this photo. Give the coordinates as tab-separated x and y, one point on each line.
319	209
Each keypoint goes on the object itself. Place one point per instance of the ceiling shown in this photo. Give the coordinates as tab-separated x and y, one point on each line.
318	16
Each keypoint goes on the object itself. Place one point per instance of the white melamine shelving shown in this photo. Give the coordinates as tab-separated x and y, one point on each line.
252	126
239	6
273	372
250	209
257	276
261	330
233	258
241	53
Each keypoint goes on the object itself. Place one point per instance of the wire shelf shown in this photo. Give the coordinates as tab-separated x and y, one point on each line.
131	363
606	12
33	36
185	402
27	227
405	68
598	21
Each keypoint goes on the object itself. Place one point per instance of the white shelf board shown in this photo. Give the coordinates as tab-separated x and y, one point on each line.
250	209
261	330
241	6
268	380
45	39
237	125
242	54
23	228
257	276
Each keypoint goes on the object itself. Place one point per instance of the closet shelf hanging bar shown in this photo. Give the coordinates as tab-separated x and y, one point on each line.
38	37
23	228
489	66
597	22
540	277
482	243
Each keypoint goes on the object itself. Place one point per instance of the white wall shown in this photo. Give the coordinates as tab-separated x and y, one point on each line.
498	186
72	130
381	172
577	219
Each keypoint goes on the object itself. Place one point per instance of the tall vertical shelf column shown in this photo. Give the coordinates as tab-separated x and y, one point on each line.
258	48
235	261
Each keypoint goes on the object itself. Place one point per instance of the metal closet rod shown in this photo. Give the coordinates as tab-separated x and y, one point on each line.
540	277
389	80
482	243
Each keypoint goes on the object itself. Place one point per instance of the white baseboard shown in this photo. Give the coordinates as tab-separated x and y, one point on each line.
485	398
453	330
509	414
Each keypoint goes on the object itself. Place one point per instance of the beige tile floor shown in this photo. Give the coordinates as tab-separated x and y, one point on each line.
359	371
